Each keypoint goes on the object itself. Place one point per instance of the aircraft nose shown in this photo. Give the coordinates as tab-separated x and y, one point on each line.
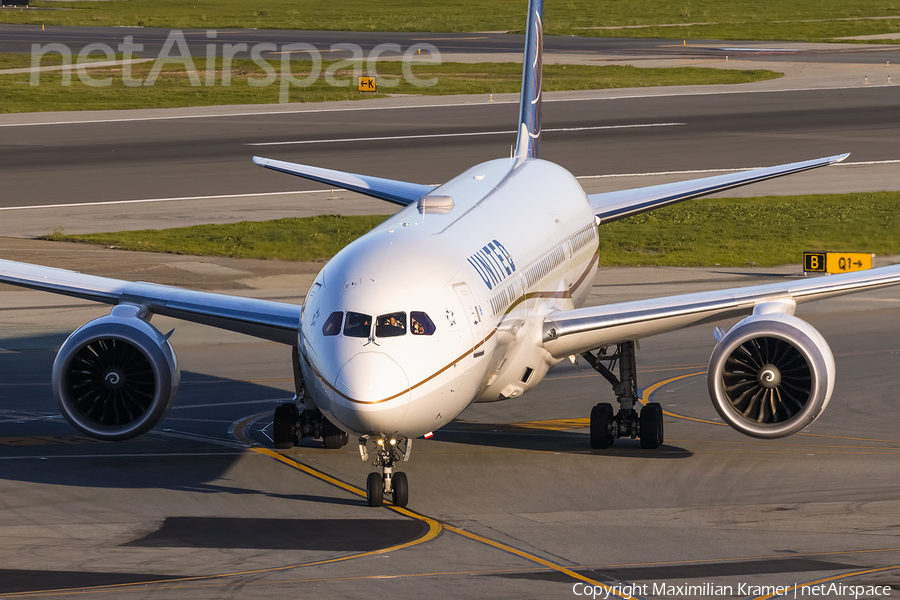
378	390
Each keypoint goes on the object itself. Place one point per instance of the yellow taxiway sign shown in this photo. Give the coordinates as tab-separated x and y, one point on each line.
836	262
366	84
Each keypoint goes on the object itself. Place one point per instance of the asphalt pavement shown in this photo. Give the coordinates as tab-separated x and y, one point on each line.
508	501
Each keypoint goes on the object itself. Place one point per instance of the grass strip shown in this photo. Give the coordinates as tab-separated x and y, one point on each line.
765	231
737	232
736	19
174	86
296	239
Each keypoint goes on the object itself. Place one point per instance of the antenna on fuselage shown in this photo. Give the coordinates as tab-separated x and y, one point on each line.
530	102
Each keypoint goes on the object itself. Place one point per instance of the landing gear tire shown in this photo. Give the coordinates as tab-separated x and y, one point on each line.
651	426
375	489
283	427
333	436
400	487
601	420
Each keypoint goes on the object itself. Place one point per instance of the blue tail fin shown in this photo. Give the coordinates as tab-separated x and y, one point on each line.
530	102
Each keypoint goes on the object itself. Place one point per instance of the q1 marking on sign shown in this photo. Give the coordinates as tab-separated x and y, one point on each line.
836	262
366	84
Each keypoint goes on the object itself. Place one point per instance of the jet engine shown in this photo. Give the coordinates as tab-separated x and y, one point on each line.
115	377
771	375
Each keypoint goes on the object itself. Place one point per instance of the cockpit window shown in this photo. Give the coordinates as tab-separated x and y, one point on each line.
391	325
420	324
357	325
333	325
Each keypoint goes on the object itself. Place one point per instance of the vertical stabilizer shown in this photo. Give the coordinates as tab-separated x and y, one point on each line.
530	102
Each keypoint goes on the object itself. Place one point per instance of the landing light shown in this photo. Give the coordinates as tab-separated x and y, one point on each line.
381	442
393	442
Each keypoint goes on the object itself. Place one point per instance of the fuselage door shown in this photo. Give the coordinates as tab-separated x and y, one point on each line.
473	316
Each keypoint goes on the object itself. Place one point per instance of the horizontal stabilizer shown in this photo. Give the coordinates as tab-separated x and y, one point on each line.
398	192
612	206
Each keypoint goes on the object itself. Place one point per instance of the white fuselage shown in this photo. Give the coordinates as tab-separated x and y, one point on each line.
518	243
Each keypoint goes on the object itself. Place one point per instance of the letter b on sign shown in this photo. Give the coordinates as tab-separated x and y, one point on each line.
814	262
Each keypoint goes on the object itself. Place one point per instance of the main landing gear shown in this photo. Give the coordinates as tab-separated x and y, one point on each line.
605	426
291	424
387	453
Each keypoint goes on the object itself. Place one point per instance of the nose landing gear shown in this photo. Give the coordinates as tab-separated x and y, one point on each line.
387	454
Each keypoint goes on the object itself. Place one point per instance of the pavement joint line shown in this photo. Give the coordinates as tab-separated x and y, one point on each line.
871	86
132	586
329	191
238	430
211	404
611	591
826	580
172	433
74	67
175	199
45	593
647	393
435	526
122	455
461	134
692	171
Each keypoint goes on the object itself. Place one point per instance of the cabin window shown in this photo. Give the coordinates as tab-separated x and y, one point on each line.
333	325
391	325
357	325
420	324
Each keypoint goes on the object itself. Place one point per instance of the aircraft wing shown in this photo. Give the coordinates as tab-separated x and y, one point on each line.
397	192
571	332
275	321
612	206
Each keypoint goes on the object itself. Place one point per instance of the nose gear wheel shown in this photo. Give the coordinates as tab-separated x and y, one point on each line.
387	455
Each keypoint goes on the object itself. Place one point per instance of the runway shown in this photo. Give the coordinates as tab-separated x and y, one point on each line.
508	501
197	167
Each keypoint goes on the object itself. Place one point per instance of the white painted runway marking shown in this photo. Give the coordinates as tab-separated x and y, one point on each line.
328	191
447	135
692	171
75	121
146	200
266	401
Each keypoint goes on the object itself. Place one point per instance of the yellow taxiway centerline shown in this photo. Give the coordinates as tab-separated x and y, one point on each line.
826	580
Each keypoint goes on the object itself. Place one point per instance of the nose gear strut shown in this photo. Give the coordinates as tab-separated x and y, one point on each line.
387	453
605	427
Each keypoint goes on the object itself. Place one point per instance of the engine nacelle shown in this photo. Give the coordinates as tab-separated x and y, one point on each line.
771	375
115	377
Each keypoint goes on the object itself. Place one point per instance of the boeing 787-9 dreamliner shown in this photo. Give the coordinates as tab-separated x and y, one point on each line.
506	254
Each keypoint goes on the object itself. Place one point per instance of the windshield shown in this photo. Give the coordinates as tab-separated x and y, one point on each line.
333	325
357	325
420	323
391	325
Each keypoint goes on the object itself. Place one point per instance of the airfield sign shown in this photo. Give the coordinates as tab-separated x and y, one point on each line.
366	84
836	262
